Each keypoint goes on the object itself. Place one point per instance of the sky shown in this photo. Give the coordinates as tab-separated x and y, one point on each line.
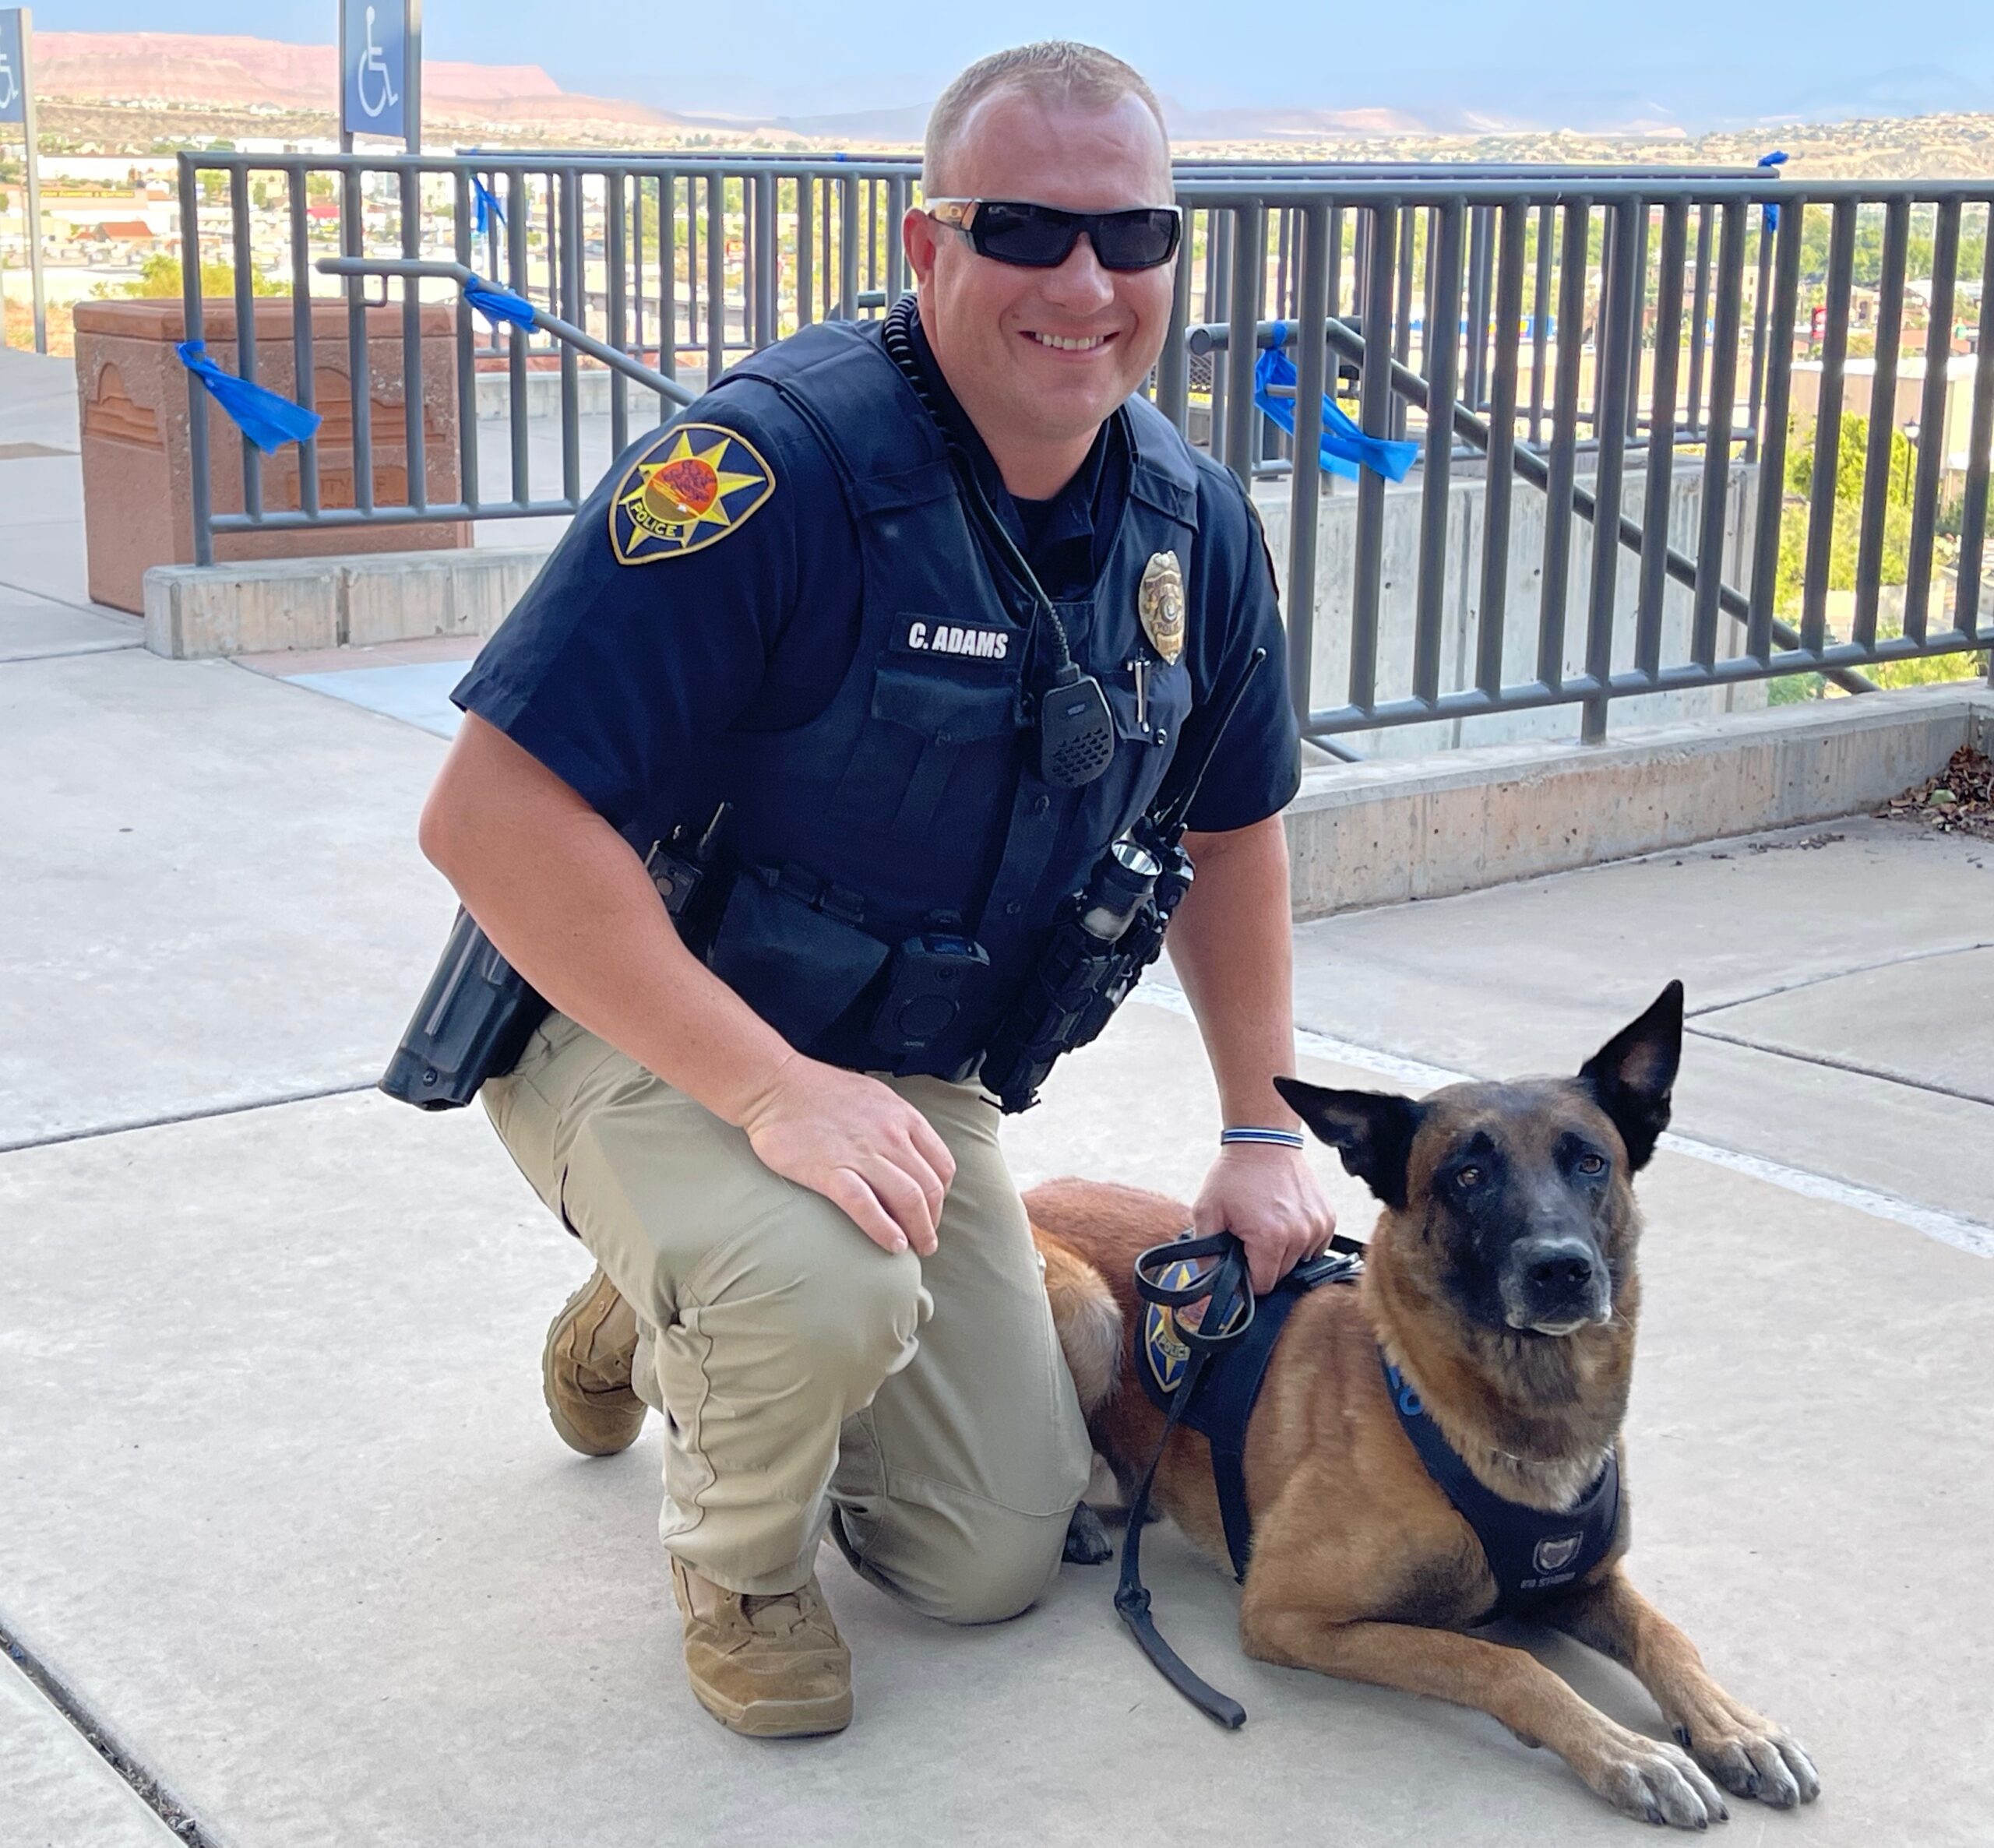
1700	63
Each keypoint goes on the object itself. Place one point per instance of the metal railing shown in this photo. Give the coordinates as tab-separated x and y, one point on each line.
1572	339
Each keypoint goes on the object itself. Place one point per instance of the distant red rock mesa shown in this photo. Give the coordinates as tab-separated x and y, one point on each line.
181	67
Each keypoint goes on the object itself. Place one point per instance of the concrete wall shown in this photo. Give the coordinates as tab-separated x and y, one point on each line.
1460	635
592	394
1382	832
193	610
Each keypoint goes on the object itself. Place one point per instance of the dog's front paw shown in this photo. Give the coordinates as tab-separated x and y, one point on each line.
1653	1782
1749	1755
1087	1542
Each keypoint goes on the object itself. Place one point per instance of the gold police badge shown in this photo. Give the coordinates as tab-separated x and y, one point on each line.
692	486
1160	601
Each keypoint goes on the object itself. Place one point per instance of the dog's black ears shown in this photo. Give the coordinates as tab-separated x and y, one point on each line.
1373	1131
1632	1075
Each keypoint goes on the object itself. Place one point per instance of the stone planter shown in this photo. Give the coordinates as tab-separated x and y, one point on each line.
138	479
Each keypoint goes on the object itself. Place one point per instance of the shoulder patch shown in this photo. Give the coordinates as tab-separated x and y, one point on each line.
690	487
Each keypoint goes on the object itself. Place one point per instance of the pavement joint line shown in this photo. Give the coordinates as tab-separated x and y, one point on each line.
67	603
69	654
1956	1229
103	1740
1898	961
1836	1064
201	1115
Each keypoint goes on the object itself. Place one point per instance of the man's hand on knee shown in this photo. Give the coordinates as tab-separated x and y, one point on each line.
857	1142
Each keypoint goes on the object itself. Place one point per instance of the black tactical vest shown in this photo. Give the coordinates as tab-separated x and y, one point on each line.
911	804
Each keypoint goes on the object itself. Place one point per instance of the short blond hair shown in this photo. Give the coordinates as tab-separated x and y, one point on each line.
1057	67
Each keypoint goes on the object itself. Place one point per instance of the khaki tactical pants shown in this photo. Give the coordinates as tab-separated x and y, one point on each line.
921	1406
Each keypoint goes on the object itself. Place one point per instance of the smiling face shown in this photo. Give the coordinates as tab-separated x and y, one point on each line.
1040	358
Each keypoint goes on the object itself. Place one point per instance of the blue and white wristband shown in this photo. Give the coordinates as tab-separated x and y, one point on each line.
1279	1138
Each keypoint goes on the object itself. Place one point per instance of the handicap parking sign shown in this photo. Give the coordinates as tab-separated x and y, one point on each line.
13	68
374	85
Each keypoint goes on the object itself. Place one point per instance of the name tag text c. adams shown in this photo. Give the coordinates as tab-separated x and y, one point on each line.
959	641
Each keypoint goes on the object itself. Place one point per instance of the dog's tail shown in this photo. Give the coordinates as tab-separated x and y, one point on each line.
1087	1317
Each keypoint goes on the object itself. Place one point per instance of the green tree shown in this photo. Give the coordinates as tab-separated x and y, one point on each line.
1844	535
160	279
1851	460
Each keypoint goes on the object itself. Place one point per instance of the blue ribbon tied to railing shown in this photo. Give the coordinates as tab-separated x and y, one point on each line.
1345	447
485	207
268	421
499	305
1776	158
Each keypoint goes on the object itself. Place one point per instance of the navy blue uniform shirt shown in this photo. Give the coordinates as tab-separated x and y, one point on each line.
615	678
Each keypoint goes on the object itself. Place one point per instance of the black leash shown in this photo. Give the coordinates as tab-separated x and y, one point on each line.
1225	1289
1227	1294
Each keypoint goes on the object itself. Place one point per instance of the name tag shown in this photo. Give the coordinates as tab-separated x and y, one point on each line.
957	641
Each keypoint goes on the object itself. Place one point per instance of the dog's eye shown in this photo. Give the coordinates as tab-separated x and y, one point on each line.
1470	1176
1592	1164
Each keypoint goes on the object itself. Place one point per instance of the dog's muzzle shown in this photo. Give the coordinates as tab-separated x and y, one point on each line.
1554	1285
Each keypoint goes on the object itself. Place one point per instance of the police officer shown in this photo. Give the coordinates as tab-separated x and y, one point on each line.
811	1256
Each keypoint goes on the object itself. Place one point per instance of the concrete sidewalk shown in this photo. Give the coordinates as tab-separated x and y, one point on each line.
45	607
285	1520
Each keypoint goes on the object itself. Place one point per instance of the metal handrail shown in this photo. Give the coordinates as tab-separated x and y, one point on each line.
1549	320
463	276
1348	340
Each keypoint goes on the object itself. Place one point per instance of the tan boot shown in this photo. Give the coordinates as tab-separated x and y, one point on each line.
774	1667
585	1370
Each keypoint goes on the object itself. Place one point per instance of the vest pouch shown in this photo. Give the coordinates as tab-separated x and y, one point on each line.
797	964
1146	747
925	723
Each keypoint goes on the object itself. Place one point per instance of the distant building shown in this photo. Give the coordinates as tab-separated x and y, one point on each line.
114	170
1858	388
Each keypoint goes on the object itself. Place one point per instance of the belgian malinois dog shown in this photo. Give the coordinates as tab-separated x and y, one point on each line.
1501	1282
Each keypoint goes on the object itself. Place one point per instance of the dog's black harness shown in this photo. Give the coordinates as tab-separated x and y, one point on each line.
1210	1381
1532	1553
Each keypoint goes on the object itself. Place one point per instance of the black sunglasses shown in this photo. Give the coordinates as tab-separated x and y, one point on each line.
1012	230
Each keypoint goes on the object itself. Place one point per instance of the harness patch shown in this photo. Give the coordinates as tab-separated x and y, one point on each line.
690	487
1551	1554
960	641
1163	1352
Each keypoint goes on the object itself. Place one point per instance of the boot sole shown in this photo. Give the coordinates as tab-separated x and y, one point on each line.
778	1719
573	1439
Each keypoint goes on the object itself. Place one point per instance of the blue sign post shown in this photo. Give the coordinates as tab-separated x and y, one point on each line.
381	70
17	105
13	87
